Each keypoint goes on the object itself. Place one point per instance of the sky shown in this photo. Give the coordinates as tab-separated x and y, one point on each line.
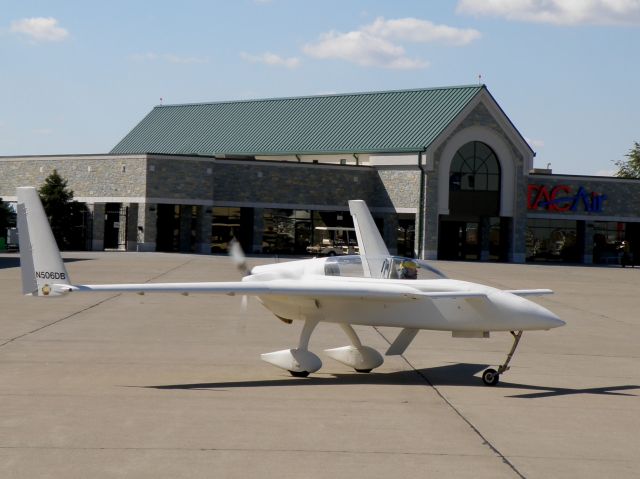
77	76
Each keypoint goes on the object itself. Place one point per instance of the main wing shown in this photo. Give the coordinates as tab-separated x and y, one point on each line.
311	288
44	274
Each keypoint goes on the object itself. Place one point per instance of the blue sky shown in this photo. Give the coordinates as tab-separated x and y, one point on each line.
77	75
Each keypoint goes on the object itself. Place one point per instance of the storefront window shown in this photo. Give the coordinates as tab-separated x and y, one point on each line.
294	231
607	238
406	235
286	231
552	240
225	226
332	234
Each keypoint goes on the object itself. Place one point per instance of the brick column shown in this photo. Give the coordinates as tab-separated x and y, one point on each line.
203	230
146	230
132	226
97	234
431	218
185	229
485	238
390	232
585	232
258	230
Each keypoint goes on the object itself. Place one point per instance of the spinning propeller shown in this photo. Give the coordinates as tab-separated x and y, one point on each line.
240	260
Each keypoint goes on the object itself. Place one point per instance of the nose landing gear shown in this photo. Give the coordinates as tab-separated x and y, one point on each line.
491	377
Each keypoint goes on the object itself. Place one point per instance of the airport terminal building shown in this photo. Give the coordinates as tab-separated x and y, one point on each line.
444	171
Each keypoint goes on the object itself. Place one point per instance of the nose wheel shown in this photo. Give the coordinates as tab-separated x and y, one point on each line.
490	376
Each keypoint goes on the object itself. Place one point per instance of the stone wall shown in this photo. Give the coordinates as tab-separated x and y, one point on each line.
88	176
180	179
398	187
248	182
193	180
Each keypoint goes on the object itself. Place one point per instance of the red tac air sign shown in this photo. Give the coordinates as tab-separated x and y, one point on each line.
561	198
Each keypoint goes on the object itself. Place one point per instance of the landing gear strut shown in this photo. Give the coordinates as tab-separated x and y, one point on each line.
491	377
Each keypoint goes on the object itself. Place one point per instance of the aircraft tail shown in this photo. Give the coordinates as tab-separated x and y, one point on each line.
372	247
40	260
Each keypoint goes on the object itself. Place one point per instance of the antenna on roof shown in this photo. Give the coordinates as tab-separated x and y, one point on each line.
479	78
160	101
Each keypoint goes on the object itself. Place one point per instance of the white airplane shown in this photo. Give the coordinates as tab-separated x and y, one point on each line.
370	289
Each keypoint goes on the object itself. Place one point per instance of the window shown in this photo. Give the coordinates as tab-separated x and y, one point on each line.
552	240
475	167
607	239
225	225
286	231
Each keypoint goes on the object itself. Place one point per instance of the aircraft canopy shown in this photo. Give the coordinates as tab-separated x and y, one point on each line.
393	267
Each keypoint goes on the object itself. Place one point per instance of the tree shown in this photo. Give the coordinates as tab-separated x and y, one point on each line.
630	168
65	215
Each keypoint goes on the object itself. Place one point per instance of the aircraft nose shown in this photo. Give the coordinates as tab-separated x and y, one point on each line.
541	317
528	314
549	319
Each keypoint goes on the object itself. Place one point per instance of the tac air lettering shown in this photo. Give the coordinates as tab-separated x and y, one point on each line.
562	198
50	275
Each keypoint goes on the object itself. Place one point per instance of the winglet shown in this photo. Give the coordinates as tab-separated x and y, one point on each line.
40	259
372	247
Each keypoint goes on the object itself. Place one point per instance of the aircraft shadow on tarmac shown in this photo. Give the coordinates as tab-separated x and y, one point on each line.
461	374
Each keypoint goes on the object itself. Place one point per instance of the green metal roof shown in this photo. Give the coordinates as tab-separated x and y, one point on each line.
388	121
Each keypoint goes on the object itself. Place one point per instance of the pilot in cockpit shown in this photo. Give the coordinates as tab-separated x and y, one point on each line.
408	270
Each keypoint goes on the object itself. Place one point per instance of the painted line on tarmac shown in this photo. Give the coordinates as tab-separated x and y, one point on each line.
486	441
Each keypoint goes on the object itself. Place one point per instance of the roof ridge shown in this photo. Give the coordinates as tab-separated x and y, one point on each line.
325	95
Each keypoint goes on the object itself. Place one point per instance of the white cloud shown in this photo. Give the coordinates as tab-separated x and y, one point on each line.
378	45
558	12
271	59
421	31
167	57
39	29
362	49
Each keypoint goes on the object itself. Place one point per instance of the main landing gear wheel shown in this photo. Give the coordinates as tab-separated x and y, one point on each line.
299	374
490	377
363	370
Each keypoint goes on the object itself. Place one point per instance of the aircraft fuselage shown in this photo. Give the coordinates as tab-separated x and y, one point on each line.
497	310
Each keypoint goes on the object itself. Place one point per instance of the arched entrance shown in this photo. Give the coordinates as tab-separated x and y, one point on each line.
472	229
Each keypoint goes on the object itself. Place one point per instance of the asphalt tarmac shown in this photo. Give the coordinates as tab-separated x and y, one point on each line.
171	386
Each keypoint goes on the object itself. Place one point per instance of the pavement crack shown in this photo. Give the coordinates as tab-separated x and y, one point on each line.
75	313
94	305
485	441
